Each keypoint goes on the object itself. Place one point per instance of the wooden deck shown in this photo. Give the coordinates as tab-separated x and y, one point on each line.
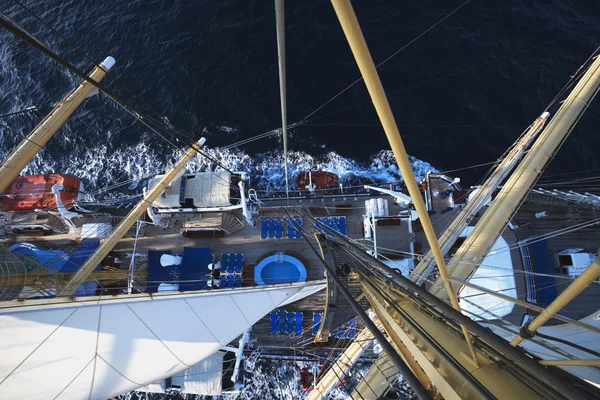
393	241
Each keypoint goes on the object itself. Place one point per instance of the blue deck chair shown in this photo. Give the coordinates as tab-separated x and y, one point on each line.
278	229
239	264
342	225
263	228
271	228
299	318
282	321
224	263
291	232
230	281
223	281
316	323
274	322
352	328
290	322
237	281
297	227
231	264
339	333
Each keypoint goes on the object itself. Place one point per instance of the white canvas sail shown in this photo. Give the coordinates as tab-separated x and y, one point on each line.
571	333
96	348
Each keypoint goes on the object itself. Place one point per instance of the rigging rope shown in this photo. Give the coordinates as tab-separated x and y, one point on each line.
493	60
387	59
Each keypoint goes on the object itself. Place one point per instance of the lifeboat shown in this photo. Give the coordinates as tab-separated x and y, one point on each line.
320	180
31	192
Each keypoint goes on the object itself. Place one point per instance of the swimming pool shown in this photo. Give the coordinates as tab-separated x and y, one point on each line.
279	268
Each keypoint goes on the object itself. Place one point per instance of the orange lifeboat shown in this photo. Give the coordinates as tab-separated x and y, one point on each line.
31	192
320	180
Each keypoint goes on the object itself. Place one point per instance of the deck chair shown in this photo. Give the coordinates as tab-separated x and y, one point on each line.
223	281
274	322
298	226
342	225
237	281
239	264
291	231
290	322
224	263
352	328
263	228
316	323
278	229
271	228
299	318
231	264
230	281
282	321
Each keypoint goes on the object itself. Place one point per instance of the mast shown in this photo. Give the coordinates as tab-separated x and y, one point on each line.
506	203
280	22
363	58
96	258
17	160
479	199
591	273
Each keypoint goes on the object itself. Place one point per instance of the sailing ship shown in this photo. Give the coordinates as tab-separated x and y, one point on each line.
100	298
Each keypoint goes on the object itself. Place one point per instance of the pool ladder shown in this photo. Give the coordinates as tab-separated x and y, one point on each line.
279	257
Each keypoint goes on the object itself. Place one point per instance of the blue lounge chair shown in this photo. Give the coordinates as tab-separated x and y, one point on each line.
263	228
239	263
278	229
297	228
282	321
290	322
299	318
352	328
223	281
291	231
342	225
339	333
224	263
237	281
271	228
231	264
274	322
316	323
230	281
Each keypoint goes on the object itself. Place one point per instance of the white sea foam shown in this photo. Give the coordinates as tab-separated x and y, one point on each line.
100	167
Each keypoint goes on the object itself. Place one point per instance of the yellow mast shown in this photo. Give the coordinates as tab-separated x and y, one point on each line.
17	160
351	27
493	222
479	199
591	273
101	252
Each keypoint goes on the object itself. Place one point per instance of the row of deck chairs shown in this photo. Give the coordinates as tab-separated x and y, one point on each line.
232	266
346	331
336	223
232	263
286	322
273	228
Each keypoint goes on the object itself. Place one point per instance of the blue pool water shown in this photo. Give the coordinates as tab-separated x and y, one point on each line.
279	269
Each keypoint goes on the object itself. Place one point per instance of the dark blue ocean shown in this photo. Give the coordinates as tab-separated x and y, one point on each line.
461	94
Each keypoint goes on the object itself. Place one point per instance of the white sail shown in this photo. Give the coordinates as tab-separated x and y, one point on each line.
99	347
571	333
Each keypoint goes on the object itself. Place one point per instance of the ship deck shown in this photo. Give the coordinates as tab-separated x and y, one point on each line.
394	242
